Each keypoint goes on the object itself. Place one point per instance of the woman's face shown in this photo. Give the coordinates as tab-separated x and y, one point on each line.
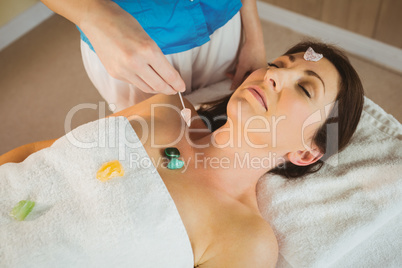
282	106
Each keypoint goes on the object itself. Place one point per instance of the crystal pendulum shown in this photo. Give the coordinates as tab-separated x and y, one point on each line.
185	113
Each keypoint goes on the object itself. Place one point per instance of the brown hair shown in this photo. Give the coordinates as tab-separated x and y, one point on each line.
344	116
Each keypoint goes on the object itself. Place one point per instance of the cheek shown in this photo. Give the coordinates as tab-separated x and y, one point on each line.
256	76
232	106
238	108
294	127
295	110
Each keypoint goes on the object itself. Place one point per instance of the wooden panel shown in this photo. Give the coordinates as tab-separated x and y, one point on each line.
389	25
310	8
363	16
377	19
286	4
336	12
358	16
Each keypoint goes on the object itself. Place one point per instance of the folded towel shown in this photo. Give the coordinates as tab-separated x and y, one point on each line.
79	221
349	213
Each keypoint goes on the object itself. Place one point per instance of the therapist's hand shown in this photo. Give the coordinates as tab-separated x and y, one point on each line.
127	51
251	58
252	54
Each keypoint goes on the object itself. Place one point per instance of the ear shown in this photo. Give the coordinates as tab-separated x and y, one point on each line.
304	158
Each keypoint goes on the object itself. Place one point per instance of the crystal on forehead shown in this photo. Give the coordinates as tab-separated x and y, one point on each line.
311	55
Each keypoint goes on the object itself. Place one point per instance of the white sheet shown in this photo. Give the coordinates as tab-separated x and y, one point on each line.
349	213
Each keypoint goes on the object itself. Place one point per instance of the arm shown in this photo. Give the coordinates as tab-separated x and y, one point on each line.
19	154
252	54
124	48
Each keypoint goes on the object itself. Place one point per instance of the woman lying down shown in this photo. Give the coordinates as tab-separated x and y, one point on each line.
195	205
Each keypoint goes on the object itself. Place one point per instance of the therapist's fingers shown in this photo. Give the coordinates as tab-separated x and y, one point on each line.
155	81
140	84
238	78
170	75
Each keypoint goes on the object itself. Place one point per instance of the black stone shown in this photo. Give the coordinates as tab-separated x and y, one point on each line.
172	152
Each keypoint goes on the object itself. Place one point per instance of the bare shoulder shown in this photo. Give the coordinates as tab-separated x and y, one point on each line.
255	246
164	109
158	100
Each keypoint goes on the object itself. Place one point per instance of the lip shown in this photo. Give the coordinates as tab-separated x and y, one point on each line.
259	94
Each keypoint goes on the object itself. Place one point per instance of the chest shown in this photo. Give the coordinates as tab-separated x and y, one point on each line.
207	217
206	214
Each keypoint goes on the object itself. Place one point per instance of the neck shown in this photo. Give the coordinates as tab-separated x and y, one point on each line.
230	167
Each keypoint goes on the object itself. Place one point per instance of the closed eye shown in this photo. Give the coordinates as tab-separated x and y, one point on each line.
305	91
272	65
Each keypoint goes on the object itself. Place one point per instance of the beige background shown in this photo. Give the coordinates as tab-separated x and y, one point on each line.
9	9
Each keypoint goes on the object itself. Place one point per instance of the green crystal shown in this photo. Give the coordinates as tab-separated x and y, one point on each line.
175	164
22	209
172	152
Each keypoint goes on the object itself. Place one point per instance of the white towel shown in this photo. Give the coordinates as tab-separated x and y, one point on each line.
79	221
348	214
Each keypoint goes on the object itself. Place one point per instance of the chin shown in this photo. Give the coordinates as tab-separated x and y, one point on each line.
240	108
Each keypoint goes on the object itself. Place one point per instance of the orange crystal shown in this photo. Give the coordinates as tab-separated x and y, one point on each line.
110	170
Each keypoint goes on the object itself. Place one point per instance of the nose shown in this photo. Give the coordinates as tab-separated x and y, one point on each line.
280	78
273	83
271	78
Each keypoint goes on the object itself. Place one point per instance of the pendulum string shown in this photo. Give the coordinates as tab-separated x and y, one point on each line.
181	99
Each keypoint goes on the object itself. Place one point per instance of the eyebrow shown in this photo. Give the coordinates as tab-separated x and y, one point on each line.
291	58
312	73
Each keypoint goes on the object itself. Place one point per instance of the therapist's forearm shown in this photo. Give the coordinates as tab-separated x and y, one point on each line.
252	28
73	10
80	11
